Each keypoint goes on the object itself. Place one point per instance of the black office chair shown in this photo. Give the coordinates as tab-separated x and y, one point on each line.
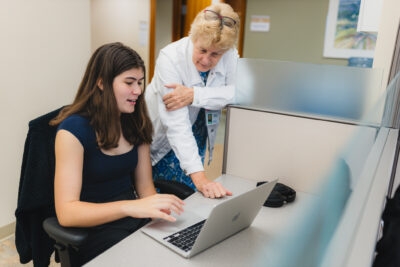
38	233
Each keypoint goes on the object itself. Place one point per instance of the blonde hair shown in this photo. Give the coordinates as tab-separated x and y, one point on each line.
211	33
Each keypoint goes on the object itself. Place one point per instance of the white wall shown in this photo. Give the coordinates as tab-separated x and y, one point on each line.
126	21
44	51
44	48
389	23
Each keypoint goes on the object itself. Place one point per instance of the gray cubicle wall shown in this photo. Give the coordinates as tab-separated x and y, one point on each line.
392	106
335	100
263	144
325	90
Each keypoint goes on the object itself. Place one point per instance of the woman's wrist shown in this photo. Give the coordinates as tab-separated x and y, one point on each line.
199	179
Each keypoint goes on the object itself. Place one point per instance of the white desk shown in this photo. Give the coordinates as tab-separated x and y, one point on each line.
247	248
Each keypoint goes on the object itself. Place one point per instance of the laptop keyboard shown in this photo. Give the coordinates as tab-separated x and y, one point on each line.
184	239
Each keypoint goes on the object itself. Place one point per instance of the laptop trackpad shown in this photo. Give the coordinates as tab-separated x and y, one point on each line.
163	228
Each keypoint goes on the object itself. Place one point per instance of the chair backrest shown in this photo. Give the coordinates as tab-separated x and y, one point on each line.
36	193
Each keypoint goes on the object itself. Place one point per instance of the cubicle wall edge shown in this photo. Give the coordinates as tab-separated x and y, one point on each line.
354	241
368	231
226	139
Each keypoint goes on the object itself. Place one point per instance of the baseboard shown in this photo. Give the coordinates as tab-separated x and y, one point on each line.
7	230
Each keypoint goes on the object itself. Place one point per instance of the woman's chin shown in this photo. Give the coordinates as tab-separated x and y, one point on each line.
202	69
128	110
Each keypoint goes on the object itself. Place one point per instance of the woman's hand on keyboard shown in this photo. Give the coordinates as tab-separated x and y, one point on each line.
155	206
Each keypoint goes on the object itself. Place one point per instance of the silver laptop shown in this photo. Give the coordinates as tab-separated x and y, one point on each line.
191	234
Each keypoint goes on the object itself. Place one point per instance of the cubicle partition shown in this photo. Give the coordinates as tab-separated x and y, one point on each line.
345	93
324	131
299	150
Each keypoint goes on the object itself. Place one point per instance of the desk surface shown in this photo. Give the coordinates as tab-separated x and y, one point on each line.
247	248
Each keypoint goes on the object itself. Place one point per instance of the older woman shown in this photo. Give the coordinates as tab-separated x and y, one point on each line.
193	81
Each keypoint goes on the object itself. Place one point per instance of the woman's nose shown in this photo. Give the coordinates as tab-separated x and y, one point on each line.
137	89
205	59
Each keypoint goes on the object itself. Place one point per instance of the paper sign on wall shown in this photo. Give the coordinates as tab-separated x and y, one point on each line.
143	33
259	23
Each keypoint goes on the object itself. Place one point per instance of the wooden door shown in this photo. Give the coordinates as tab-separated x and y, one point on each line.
240	7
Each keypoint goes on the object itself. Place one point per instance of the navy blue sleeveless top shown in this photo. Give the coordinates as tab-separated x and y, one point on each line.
104	177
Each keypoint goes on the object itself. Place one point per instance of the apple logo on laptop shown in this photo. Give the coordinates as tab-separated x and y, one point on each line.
236	217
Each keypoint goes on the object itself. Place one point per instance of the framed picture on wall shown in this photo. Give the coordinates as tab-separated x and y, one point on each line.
341	37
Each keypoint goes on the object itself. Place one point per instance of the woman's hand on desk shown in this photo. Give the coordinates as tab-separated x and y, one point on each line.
209	188
156	206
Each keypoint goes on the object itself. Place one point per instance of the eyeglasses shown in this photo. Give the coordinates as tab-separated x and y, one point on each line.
212	15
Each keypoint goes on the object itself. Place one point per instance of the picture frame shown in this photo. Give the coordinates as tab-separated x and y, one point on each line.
341	37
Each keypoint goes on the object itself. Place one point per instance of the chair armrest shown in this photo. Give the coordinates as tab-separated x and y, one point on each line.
179	189
68	236
71	236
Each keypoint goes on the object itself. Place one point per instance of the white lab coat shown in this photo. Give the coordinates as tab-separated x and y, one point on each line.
173	129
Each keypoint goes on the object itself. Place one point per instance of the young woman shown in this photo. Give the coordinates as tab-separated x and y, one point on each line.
103	178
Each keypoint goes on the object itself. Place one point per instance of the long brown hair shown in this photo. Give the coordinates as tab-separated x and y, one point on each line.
100	106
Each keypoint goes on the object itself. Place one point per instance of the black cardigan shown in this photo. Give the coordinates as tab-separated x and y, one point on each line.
36	192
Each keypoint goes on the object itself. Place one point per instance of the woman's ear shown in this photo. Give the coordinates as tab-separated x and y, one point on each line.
100	84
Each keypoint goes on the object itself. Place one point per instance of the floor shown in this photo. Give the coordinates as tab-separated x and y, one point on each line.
9	256
8	253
